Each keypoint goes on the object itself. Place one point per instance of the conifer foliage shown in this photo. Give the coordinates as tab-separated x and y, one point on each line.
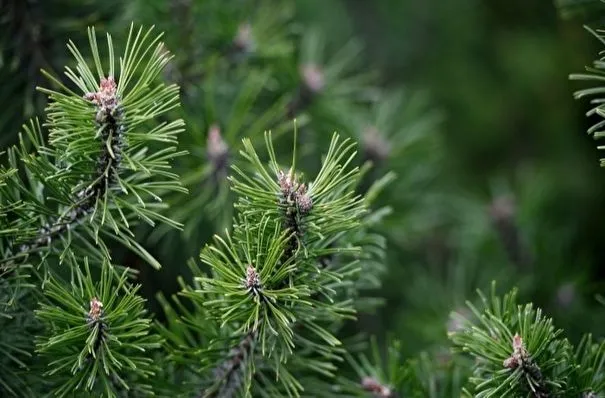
269	283
297	250
595	73
280	284
63	200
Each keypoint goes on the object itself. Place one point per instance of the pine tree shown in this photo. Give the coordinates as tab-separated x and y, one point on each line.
288	235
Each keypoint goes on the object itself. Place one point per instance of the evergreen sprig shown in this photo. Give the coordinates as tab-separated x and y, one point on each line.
595	74
518	350
102	169
275	301
537	361
97	337
100	164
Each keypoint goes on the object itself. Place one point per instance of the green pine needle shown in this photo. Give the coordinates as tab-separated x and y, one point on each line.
96	334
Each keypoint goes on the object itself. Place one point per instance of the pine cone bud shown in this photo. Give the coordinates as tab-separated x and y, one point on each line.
372	385
244	41
376	148
303	199
294	193
511	363
217	149
252	281
305	204
96	310
519	356
106	99
313	78
287	184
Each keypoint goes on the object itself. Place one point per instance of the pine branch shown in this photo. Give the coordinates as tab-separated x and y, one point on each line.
596	74
102	171
271	299
111	130
96	167
295	204
228	373
97	335
518	350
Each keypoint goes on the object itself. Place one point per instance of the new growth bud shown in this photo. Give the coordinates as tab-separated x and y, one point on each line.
109	114
106	99
376	147
522	360
313	78
286	184
252	281
295	201
217	150
244	41
96	310
519	356
303	199
372	385
312	84
294	193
